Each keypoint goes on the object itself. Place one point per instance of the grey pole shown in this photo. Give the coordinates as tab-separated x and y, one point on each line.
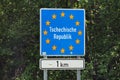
78	73
45	71
45	74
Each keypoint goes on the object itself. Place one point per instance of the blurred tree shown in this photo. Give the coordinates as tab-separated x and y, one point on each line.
19	39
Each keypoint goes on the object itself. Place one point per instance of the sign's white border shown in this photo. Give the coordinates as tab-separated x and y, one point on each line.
41	29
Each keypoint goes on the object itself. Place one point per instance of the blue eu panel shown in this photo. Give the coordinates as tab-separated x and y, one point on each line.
62	32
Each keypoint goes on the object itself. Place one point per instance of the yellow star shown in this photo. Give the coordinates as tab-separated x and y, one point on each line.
62	50
47	41
79	32
45	32
54	47
53	16
47	23
77	23
71	16
71	47
77	41
62	14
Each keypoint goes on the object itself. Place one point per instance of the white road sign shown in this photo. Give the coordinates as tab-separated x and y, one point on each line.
61	64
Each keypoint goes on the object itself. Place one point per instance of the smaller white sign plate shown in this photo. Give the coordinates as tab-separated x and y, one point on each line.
62	64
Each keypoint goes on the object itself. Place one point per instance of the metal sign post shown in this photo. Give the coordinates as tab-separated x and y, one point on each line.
45	74
78	72
45	71
78	75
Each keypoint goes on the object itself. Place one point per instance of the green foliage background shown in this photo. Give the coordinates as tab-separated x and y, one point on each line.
19	39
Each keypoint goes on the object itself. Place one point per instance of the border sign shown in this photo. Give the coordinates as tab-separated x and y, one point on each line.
62	32
62	64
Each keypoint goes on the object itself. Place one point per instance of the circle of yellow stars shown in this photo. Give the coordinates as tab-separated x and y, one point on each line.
45	32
